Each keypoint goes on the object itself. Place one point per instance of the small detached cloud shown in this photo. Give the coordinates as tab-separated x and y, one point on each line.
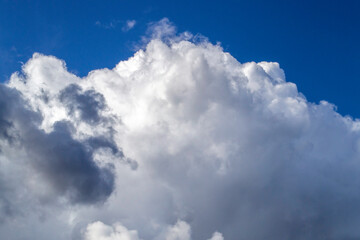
130	24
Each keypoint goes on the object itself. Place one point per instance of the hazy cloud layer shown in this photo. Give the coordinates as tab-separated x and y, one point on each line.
179	142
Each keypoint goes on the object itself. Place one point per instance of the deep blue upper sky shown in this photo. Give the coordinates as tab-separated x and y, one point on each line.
315	42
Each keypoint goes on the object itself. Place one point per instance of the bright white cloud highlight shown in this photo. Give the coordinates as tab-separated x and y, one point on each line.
100	231
187	142
180	231
217	236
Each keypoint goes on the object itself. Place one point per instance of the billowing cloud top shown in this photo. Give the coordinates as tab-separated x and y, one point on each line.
179	142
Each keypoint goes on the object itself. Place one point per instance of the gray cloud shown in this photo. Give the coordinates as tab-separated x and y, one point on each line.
68	165
65	163
87	104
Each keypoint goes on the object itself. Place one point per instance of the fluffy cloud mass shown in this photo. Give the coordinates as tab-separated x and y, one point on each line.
179	142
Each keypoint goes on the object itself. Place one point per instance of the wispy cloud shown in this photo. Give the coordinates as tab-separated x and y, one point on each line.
110	25
127	25
130	24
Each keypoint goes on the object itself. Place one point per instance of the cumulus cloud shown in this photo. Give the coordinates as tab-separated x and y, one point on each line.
66	164
165	31
180	141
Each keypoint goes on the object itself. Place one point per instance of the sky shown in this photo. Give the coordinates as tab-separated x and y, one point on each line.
315	41
188	121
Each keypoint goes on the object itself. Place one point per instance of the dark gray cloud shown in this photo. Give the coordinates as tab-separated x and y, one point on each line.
9	101
65	163
10	109
68	164
87	104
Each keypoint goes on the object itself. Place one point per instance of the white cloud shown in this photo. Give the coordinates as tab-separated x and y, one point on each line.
180	231
186	132
100	231
217	236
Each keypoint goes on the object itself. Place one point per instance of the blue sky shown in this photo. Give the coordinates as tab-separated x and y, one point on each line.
315	42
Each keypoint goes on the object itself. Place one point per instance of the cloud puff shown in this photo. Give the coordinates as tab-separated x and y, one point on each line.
130	24
100	231
64	162
217	236
180	231
215	148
